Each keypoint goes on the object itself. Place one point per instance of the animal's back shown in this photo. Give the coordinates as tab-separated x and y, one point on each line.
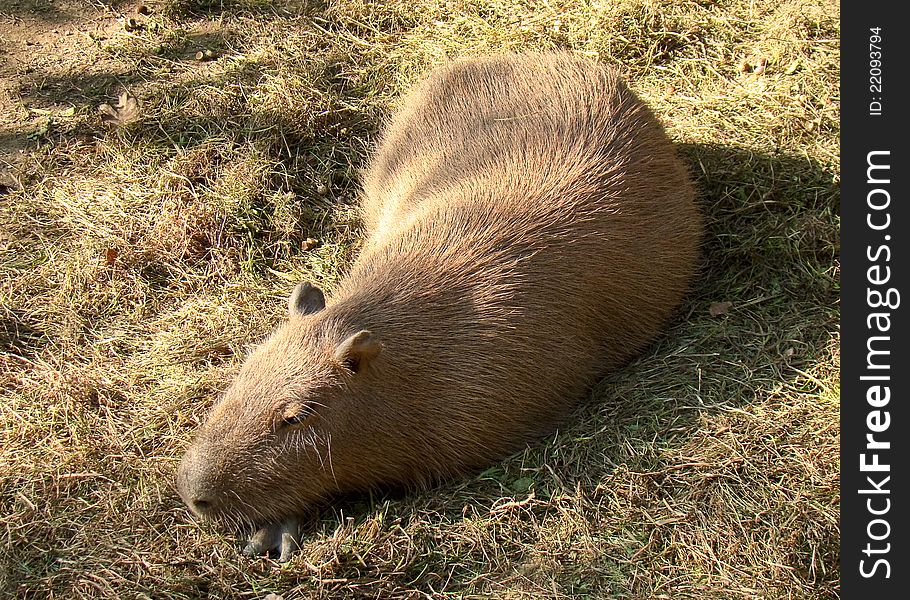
529	227
521	123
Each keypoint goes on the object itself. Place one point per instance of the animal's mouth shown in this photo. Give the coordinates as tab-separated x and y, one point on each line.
218	525
241	519
221	516
228	523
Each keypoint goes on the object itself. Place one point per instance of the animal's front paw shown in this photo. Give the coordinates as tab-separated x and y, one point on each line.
283	537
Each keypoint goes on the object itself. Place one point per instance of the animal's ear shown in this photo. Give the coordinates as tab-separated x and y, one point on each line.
305	299
356	352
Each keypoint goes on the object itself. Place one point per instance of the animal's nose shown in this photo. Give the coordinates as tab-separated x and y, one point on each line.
194	483
200	505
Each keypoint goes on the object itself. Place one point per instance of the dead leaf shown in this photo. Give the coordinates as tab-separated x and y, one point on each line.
126	111
719	308
110	256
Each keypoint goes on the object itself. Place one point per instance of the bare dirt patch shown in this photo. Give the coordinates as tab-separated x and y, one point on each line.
52	68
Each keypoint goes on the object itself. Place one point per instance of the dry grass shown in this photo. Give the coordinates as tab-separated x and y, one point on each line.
138	262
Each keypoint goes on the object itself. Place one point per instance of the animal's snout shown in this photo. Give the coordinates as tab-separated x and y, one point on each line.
197	485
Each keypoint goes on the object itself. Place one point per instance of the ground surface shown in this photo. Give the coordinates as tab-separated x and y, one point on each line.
145	244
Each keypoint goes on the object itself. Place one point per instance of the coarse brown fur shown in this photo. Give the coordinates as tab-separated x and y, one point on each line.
529	227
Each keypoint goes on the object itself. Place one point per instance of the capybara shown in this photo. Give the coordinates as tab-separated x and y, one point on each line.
528	227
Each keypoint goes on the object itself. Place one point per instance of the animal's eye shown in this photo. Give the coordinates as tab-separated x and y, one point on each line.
295	417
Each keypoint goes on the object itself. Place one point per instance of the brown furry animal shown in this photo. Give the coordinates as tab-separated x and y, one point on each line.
529	227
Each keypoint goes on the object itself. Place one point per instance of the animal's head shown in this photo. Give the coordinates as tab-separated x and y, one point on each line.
266	451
